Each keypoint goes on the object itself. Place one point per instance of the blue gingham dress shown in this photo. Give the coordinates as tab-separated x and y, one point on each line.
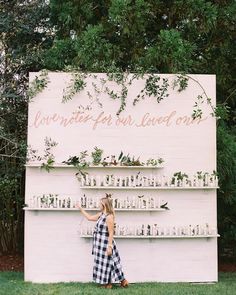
106	269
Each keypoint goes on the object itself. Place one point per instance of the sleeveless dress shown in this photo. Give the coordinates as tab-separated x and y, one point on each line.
106	269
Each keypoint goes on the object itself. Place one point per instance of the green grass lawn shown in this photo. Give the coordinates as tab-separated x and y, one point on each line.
12	283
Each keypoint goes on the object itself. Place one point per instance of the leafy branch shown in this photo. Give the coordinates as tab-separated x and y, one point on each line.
76	85
38	84
32	154
153	88
79	162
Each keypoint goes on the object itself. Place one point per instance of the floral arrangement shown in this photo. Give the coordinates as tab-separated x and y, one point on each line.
98	159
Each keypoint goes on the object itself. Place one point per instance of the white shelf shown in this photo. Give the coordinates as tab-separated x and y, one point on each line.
57	165
127	167
159	237
50	209
148	187
61	165
90	209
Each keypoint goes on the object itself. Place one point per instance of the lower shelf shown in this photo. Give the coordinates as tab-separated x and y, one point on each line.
91	209
158	237
150	187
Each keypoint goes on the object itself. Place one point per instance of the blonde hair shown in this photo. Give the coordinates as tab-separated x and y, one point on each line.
107	202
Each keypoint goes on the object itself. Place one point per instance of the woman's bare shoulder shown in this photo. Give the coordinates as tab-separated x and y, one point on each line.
99	214
110	217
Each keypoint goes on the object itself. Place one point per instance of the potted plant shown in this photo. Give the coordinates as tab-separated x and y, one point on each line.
178	177
154	162
113	161
126	160
213	177
80	163
105	162
51	200
96	156
205	179
151	162
43	201
201	177
110	179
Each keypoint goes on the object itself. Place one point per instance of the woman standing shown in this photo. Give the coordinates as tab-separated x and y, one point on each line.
107	265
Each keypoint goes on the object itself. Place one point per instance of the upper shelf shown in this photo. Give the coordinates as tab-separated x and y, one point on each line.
61	165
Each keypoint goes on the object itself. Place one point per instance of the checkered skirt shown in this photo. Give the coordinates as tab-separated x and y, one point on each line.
106	269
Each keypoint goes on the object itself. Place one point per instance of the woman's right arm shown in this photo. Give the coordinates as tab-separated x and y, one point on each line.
87	215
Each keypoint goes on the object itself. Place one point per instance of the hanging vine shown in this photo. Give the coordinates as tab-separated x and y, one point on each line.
38	84
155	86
77	84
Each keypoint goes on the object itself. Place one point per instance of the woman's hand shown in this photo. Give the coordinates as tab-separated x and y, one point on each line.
88	216
77	205
109	251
